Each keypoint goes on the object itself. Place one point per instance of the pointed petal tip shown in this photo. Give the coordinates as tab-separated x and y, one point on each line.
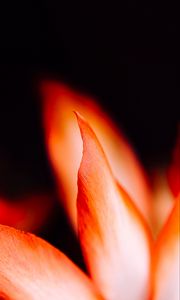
108	226
79	117
61	132
82	122
87	134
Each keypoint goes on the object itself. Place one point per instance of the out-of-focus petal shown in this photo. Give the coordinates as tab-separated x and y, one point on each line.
65	146
30	268
163	200
173	173
114	237
28	213
166	264
10	215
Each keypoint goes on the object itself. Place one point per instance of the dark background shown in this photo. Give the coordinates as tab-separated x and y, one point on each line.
125	54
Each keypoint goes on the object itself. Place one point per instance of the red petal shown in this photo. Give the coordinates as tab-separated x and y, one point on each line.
28	213
114	239
166	264
30	268
65	146
9	214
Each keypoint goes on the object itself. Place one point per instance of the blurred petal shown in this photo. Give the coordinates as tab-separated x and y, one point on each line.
28	213
30	268
173	173
114	240
163	200
10	214
65	146
166	265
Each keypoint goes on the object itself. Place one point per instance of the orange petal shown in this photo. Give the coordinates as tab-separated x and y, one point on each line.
28	213
30	268
166	264
173	173
65	146
163	200
114	239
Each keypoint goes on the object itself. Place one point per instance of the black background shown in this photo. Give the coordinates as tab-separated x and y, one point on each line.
125	54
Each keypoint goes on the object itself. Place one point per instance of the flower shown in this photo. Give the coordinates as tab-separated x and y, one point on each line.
113	217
